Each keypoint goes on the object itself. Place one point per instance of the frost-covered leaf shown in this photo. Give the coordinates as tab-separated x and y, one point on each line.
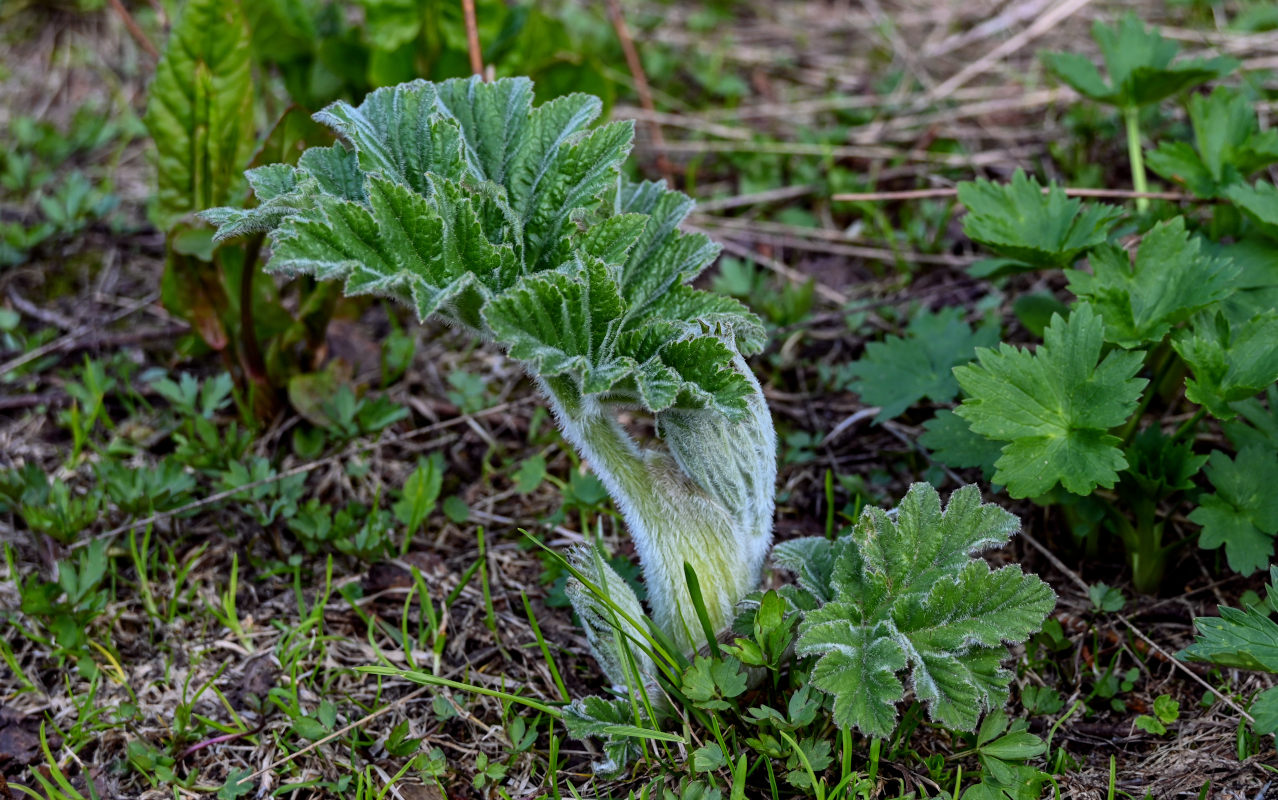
1140	63
200	111
1229	362
909	595
900	371
465	201
1170	280
1228	145
1021	222
1054	407
1242	514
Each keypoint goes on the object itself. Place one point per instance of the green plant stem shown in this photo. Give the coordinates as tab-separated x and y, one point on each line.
1131	119
1189	425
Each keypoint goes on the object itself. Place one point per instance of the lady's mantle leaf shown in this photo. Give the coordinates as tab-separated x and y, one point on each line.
907	593
1054	407
1020	221
1228	145
1171	279
1139	62
1243	513
1230	362
898	372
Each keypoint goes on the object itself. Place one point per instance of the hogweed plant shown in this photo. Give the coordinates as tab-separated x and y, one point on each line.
468	204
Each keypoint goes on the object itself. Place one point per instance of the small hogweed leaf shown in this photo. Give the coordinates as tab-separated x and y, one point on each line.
1170	280
1140	66
1243	638
898	372
464	201
611	722
200	111
1039	229
1242	514
1054	407
1228	145
811	559
610	633
1229	362
909	594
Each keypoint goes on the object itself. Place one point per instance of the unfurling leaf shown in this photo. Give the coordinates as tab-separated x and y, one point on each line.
466	202
909	595
200	111
1054	407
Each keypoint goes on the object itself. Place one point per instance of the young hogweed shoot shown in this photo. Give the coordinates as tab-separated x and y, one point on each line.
465	202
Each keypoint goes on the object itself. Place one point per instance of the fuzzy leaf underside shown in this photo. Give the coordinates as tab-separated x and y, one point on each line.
1054	407
464	201
908	594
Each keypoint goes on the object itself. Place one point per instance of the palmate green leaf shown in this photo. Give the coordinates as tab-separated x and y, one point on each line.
1228	145
1264	709
1140	67
1054	407
908	594
898	372
200	111
1041	230
1170	280
464	201
1258	201
951	441
1242	514
1229	362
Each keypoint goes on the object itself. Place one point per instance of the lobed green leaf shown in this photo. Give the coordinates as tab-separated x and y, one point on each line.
1054	407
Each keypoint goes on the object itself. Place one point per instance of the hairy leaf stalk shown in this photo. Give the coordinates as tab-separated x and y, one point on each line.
702	494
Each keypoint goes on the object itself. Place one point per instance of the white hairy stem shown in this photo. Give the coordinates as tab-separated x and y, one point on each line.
704	495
